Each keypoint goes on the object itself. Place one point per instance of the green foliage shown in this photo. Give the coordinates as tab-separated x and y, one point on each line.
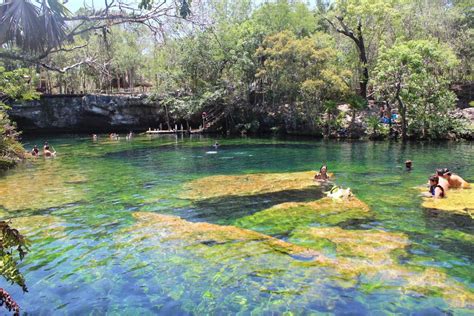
33	27
13	85
414	75
12	243
13	247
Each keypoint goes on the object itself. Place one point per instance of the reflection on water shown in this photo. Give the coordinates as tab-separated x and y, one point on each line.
92	251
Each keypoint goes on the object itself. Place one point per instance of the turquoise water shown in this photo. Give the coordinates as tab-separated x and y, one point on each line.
90	255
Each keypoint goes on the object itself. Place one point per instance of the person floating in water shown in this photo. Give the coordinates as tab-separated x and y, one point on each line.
35	151
436	190
322	175
216	145
453	180
408	165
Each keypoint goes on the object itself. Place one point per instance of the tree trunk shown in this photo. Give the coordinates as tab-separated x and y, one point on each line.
168	118
363	60
402	110
359	41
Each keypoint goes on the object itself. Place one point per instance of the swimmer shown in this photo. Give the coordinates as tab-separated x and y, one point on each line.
408	165
436	190
454	180
322	175
47	152
35	151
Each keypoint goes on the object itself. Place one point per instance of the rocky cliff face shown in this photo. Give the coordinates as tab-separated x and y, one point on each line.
88	113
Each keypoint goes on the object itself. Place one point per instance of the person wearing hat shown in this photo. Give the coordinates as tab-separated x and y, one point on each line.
408	165
454	181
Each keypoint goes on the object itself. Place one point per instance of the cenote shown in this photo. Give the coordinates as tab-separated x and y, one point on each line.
169	225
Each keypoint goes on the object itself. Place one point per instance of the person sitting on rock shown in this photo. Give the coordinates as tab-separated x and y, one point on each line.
322	175
454	180
436	190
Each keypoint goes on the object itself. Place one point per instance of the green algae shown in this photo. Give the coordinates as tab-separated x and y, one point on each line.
41	188
285	217
458	235
366	260
458	201
249	184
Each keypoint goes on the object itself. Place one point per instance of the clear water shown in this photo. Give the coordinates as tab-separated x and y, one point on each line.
88	256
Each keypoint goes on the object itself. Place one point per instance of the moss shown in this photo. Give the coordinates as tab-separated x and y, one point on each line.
174	228
285	217
458	235
39	189
249	184
365	260
458	201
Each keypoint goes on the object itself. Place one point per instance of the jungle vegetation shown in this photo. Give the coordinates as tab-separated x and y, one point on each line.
273	66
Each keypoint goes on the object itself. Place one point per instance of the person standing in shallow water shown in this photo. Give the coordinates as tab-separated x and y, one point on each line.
35	151
408	165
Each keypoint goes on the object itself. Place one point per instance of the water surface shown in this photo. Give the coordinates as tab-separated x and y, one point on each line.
90	255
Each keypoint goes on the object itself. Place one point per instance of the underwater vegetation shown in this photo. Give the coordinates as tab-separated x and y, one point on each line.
285	217
41	189
364	260
458	201
248	184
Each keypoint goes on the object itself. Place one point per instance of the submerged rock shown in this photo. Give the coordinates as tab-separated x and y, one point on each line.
458	201
39	225
248	184
228	257
285	217
39	189
370	259
175	228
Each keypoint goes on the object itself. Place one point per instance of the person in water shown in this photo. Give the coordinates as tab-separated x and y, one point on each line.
47	152
436	190
442	181
408	165
454	181
216	145
35	151
322	175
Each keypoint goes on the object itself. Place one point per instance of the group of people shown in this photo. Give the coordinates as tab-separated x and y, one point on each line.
444	180
47	152
439	183
113	136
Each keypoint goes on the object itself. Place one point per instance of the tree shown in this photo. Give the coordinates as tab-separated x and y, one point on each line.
13	85
363	21
40	29
299	74
414	75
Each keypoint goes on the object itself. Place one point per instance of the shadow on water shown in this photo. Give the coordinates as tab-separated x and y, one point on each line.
224	210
